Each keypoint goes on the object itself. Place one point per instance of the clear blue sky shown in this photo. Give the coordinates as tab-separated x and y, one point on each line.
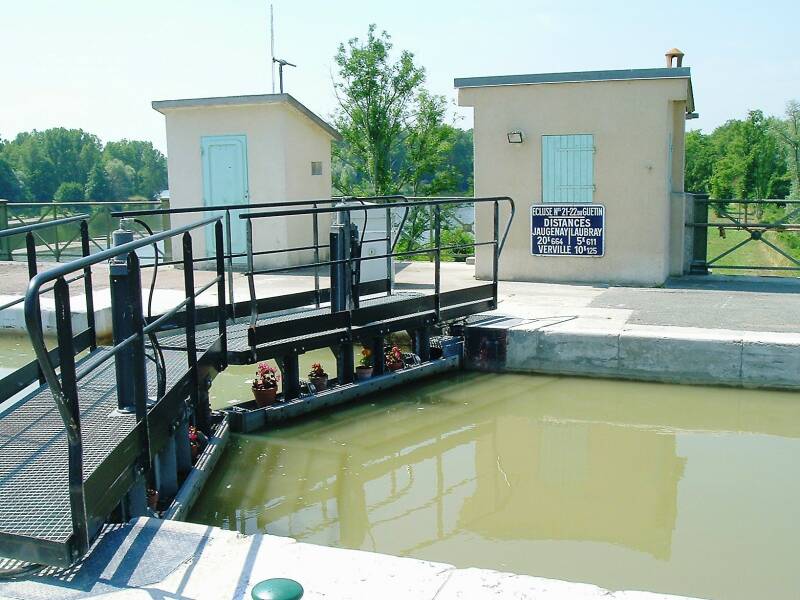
97	64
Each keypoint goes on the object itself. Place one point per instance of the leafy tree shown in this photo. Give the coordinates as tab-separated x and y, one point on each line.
98	186
149	165
375	94
788	133
10	186
69	191
700	159
751	163
121	177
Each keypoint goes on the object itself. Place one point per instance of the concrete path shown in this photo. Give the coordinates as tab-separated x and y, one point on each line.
167	559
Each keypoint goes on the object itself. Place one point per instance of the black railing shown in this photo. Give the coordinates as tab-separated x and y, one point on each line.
55	244
229	255
346	207
91	499
24	376
748	223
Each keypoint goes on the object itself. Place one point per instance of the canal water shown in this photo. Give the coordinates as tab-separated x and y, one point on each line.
676	489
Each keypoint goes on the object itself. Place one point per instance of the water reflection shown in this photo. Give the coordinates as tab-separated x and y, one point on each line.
622	484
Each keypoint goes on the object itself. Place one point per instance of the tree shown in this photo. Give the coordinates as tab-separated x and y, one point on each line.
374	94
10	186
98	187
149	165
121	177
788	132
700	159
69	191
751	163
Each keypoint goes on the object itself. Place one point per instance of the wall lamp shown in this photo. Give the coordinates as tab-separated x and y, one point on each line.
514	137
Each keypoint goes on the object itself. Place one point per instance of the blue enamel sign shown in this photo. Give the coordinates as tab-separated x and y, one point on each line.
567	229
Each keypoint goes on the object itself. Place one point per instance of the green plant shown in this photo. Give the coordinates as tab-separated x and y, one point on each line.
266	378
366	358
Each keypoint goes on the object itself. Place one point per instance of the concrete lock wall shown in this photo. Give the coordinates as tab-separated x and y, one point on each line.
281	145
638	128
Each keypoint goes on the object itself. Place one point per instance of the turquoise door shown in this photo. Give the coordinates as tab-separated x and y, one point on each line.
225	184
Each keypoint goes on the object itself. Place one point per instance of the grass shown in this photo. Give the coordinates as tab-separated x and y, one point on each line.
754	252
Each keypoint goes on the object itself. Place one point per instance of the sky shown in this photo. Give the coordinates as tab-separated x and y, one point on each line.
97	64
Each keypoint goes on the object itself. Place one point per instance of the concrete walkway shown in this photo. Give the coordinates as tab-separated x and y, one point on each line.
167	559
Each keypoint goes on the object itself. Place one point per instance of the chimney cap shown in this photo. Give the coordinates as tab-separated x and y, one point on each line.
673	52
674	55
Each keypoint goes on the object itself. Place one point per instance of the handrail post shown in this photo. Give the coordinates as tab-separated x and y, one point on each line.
221	312
30	256
699	214
229	242
138	353
5	243
496	251
251	284
315	224
87	287
165	226
57	250
69	387
201	413
389	270
437	243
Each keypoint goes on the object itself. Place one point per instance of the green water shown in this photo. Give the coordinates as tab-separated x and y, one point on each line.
684	490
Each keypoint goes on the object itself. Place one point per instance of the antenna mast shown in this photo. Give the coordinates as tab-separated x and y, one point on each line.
272	46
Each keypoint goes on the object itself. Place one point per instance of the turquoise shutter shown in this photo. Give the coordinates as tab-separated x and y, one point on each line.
568	168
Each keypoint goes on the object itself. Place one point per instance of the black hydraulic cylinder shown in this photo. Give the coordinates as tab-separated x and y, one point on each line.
123	324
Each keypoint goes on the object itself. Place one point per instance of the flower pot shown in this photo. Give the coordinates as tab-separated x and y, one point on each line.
319	383
265	397
363	373
394	366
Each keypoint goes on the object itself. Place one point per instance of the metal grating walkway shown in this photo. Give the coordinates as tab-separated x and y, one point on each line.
34	496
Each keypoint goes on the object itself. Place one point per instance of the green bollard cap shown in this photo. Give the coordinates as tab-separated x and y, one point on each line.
277	589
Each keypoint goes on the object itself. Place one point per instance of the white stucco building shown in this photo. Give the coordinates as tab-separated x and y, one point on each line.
610	138
256	149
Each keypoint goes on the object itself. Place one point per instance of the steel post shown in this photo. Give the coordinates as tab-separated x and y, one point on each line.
167	469
291	376
341	280
5	243
378	360
183	448
87	286
69	390
221	326
699	264
437	243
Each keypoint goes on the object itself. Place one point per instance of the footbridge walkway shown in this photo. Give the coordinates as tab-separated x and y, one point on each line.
95	430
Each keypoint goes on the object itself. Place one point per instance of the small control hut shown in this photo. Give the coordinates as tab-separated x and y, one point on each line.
595	162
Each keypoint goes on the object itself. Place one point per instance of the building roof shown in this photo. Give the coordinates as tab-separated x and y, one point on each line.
580	77
249	100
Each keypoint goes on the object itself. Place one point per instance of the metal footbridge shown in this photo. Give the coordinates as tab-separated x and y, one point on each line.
91	427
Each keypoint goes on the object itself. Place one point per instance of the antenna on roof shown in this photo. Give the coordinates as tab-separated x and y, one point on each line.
282	63
272	46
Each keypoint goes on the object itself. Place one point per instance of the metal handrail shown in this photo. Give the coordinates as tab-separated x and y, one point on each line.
33	322
64	390
408	205
12	231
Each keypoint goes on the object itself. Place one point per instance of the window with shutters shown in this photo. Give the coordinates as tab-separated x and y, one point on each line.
568	168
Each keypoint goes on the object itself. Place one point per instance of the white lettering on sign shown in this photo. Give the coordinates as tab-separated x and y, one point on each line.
567	230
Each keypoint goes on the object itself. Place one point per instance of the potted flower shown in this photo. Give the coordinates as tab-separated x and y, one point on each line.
318	377
364	368
265	384
394	359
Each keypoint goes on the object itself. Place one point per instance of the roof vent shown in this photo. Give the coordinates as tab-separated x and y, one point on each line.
676	55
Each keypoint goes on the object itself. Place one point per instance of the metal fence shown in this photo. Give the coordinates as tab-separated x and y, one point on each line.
59	243
745	236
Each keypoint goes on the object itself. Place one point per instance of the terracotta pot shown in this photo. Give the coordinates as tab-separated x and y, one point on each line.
265	397
394	366
319	383
363	373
